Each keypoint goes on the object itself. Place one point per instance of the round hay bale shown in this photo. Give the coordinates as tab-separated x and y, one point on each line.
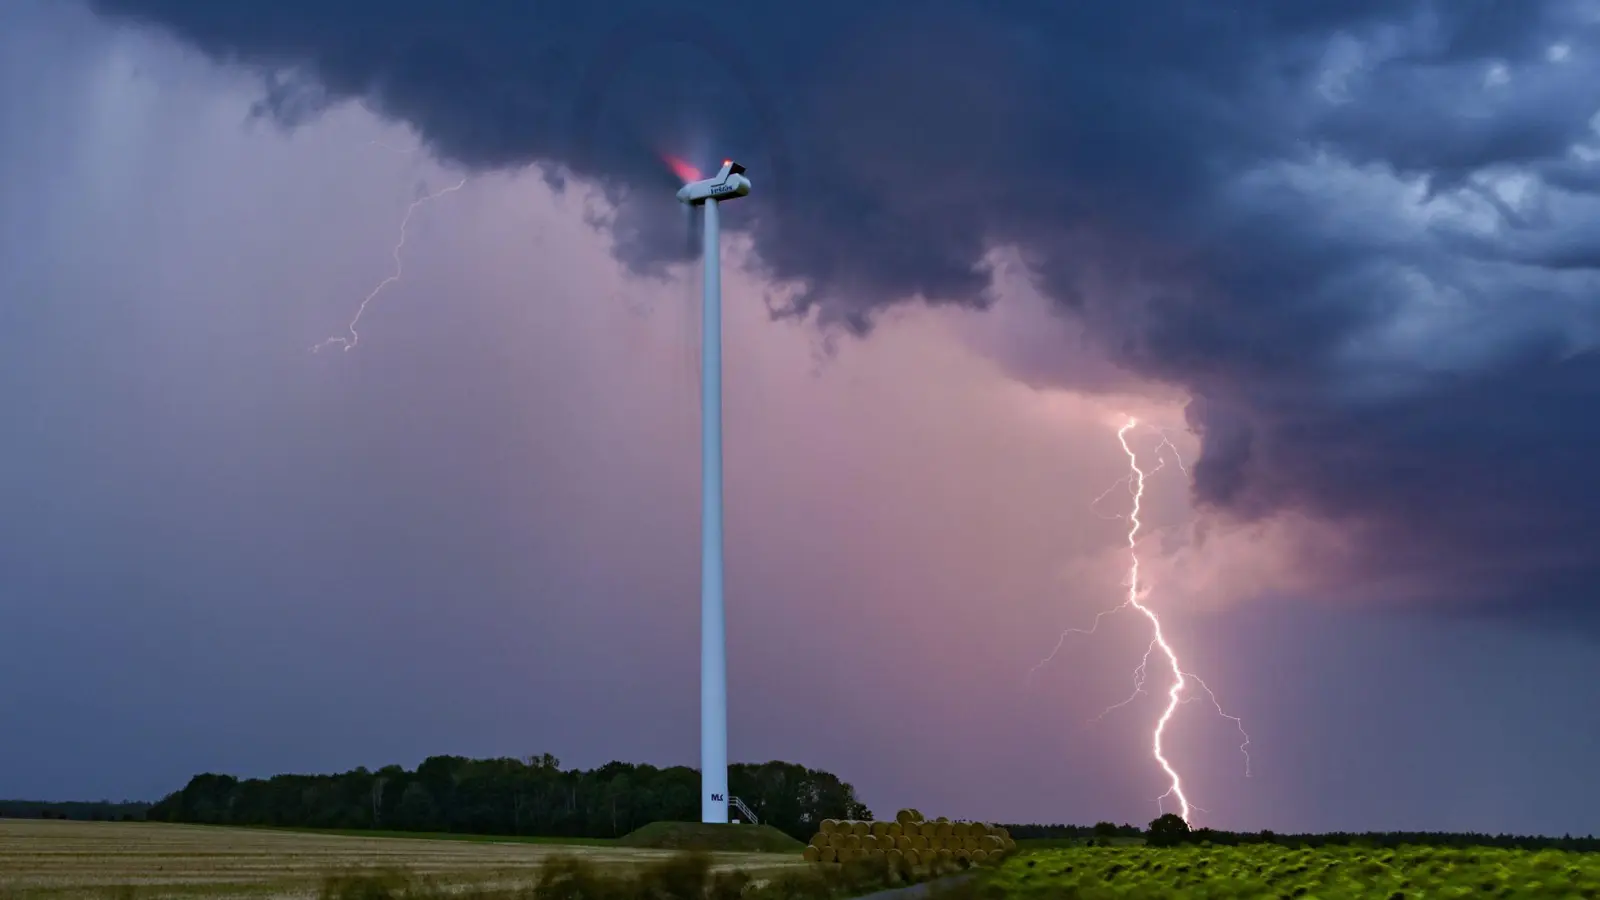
818	840
852	842
911	857
827	854
962	857
1011	846
894	858
828	826
860	829
870	842
942	820
895	829
1001	830
924	842
811	854
980	857
880	829
992	843
911	829
903	843
847	854
960	829
904	816
942	830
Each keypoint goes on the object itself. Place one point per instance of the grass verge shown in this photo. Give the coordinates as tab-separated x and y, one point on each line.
1271	872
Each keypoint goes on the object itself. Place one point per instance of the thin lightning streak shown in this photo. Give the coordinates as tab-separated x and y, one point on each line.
1181	680
1061	641
349	343
1159	637
1139	676
1244	748
1106	493
1166	442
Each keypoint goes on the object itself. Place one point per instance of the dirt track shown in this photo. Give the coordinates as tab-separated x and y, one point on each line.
89	859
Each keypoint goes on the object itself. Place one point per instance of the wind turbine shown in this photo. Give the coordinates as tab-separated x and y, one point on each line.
729	183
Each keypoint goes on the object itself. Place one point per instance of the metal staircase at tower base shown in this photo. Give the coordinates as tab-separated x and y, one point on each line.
744	810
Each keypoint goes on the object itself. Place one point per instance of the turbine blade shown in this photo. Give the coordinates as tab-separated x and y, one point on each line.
683	170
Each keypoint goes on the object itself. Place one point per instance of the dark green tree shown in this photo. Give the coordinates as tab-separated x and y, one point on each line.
1167	831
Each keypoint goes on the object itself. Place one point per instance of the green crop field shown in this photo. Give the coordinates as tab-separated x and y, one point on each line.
1269	871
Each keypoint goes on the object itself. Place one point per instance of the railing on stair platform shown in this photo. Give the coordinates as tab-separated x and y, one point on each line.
744	810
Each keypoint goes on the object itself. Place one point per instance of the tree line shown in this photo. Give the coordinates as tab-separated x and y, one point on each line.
537	797
1170	830
77	810
533	796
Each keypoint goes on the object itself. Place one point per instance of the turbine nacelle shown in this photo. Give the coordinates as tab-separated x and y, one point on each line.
725	185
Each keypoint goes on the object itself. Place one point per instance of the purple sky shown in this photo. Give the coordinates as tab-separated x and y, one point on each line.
476	532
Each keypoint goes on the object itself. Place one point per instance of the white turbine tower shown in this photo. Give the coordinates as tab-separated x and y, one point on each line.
727	184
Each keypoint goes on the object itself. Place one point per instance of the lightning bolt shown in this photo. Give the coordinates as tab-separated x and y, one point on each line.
354	337
1178	691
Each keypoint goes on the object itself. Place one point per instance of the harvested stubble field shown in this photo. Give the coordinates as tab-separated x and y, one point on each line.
69	860
1259	872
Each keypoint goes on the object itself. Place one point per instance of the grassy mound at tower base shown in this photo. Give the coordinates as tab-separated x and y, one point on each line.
711	838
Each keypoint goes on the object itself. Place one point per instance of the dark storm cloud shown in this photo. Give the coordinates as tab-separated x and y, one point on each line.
1291	209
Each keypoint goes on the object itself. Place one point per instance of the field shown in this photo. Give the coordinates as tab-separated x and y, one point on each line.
67	860
1268	871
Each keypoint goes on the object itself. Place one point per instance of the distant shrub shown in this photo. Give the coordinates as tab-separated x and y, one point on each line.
368	885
